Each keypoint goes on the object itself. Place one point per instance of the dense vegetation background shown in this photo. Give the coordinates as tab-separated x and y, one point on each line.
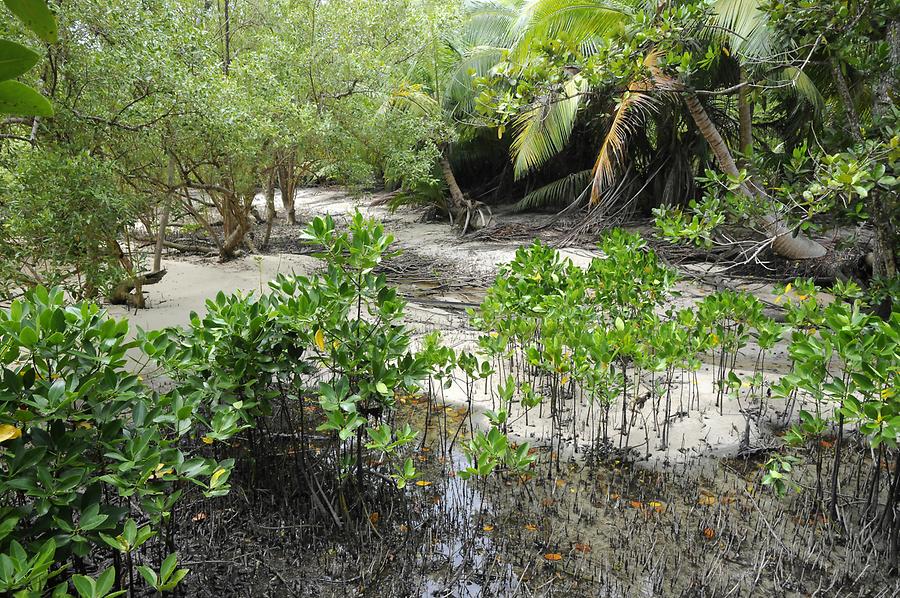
778	116
749	130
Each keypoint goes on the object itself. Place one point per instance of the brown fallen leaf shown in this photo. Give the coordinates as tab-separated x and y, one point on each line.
553	556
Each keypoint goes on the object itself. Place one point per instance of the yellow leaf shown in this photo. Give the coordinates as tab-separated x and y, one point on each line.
707	500
488	528
84	425
8	432
216	475
788	287
207	440
725	51
423	483
531	527
500	130
320	339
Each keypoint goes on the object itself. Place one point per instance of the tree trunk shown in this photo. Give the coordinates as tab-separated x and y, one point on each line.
784	243
847	100
458	203
882	204
745	114
288	185
270	206
164	218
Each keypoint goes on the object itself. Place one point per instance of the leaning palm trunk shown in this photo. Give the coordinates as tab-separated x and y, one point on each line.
784	243
466	212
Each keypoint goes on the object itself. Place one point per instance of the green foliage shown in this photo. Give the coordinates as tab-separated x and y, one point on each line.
60	216
17	98
84	443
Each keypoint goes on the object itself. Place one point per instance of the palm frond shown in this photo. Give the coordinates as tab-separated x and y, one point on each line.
490	23
743	26
799	82
631	108
413	98
477	63
580	21
558	193
543	131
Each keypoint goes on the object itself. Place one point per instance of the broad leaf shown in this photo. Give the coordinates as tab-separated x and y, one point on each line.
15	59
36	15
20	100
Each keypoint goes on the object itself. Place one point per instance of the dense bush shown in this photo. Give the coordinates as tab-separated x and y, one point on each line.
88	452
61	217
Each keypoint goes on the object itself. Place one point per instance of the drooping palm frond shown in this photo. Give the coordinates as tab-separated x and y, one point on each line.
490	23
744	27
460	91
797	81
542	131
558	193
413	98
579	21
631	108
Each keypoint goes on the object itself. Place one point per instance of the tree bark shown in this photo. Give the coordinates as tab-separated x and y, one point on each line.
745	114
288	185
164	218
457	199
784	243
883	207
847	100
270	206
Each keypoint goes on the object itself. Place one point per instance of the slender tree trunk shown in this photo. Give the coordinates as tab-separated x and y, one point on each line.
847	100
226	62
270	206
164	218
288	185
745	114
458	203
882	206
784	243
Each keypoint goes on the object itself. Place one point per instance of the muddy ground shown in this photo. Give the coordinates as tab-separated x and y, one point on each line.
686	519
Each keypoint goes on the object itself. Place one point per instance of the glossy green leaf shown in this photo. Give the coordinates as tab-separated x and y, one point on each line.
20	100
15	59
37	16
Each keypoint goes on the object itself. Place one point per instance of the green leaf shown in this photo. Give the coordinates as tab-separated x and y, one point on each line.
84	585
149	575
15	59
20	100
36	15
105	581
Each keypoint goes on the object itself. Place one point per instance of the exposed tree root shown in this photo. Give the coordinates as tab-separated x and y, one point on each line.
128	292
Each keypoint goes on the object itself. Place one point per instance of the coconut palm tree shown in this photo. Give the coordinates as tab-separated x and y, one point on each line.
543	128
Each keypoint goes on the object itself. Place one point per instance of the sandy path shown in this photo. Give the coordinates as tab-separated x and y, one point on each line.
698	431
